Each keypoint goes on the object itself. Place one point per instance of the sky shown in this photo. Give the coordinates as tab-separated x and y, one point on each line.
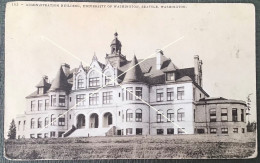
39	39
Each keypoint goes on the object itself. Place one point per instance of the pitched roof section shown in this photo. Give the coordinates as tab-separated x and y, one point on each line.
134	74
43	83
60	82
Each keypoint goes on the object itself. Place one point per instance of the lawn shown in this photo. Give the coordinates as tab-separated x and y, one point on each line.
151	147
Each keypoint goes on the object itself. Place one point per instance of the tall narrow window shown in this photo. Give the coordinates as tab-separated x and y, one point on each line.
224	116
107	97
169	94
180	93
242	115
46	104
62	100
24	123
61	120
138	115
159	116
80	100
80	82
19	125
159	95
180	115
129	115
33	105
93	98
53	100
170	76
234	114
138	93
40	105
46	121
170	115
32	123
94	80
39	123
129	93
53	120
212	114
108	78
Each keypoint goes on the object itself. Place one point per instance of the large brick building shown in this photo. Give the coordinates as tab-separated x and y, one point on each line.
147	97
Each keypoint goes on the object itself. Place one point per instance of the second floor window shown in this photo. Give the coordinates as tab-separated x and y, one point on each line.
80	82
180	115
180	93
80	100
40	105
53	100
129	93
39	123
159	95
32	105
32	123
159	116
169	94
46	121
212	114
94	82
107	97
138	115
234	115
108	78
138	93
53	120
46	104
61	100
224	115
93	98
61	120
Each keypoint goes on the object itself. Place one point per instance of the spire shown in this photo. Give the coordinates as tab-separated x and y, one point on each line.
60	82
135	73
116	45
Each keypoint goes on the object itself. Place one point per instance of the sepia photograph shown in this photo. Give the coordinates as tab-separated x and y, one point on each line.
87	80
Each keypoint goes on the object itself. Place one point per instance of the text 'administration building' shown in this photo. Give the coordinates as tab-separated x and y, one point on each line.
148	97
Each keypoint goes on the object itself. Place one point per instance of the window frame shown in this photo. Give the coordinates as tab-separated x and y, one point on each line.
159	95
138	115
93	98
180	93
170	94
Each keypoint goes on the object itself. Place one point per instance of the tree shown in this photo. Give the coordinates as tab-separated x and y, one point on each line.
12	130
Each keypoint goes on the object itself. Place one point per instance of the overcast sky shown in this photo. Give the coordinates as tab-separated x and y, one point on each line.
223	35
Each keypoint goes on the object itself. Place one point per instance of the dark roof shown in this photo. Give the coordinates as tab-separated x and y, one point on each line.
60	82
43	83
134	74
35	94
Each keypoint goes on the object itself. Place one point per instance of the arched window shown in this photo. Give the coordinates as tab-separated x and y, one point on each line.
159	116
108	78
94	80
24	122
32	123
46	121
61	120
129	115
80	82
170	115
39	123
53	120
180	115
138	115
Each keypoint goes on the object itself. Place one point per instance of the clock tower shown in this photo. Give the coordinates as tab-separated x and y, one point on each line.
115	58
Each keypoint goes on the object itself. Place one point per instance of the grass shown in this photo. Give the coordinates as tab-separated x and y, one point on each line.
152	147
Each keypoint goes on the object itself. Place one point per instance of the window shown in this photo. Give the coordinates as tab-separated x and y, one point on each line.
224	130
235	130
159	95
24	122
159	131
53	120
170	115
60	134
108	78
138	93
46	121
213	130
123	95
40	105
224	116
94	82
52	133
159	116
32	105
170	131
39	123
180	93
200	131
234	115
93	98
53	100
46	104
242	115
129	115
80	100
129	131
170	76
39	135
138	115
107	97
46	135
61	100
32	123
212	114
180	115
139	131
40	91
129	93
181	130
243	130
32	136
19	124
61	120
169	94
80	82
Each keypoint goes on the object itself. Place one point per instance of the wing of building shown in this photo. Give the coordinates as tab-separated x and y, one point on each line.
127	97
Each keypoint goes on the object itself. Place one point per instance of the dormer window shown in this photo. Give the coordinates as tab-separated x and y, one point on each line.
94	80
80	82
41	90
170	76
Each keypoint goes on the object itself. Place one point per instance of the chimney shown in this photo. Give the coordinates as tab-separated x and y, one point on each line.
159	54
196	68
66	68
200	73
45	78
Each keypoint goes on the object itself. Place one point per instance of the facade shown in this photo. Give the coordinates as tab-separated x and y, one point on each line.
147	97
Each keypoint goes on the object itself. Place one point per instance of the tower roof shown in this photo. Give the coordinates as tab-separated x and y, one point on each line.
135	73
60	82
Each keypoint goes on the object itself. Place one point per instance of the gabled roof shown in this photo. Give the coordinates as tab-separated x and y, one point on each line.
43	83
60	82
134	73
